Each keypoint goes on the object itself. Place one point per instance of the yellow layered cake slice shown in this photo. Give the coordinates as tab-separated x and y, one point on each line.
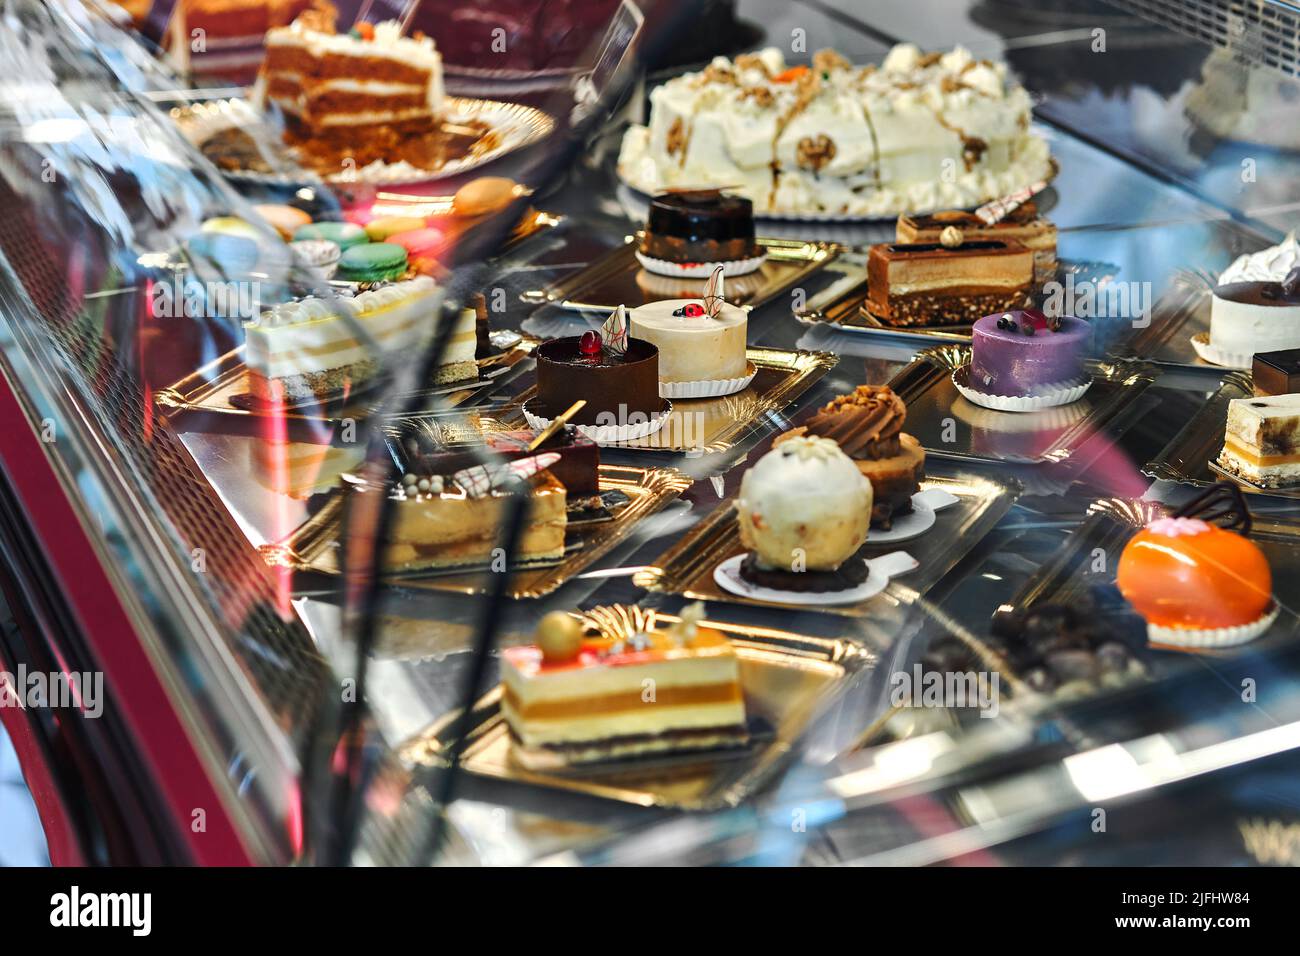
439	524
321	348
576	697
1262	440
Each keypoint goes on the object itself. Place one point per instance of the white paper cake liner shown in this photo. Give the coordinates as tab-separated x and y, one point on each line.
608	434
1062	394
1211	637
727	576
699	270
1217	356
710	389
917	522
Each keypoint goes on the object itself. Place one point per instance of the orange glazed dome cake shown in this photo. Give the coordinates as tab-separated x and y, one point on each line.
1196	584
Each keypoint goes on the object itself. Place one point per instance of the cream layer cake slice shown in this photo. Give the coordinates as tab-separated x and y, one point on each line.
574	698
318	348
1262	440
438	524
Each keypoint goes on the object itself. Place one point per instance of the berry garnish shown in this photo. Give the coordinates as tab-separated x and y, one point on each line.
590	342
366	30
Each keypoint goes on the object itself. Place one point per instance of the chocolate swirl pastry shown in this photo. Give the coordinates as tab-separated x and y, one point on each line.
865	423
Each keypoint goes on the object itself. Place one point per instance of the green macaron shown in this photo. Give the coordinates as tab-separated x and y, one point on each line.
372	262
344	234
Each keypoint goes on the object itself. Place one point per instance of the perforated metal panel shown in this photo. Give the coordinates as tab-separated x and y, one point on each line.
1264	32
278	655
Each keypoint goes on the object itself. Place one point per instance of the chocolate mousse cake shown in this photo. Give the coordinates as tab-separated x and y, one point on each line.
867	424
700	225
619	388
1252	316
1025	353
930	283
1023	225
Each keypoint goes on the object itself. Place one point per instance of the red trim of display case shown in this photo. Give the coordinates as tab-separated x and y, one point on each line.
132	684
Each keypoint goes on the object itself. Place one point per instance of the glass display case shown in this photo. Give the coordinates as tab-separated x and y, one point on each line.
285	490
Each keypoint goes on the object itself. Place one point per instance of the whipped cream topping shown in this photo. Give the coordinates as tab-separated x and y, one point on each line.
1178	527
1267	265
313	307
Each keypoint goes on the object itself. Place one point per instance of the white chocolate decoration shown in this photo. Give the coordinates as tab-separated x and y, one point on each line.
804	505
694	348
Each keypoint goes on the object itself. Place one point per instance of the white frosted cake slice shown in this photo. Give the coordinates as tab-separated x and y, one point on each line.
614	697
693	347
317	348
1262	442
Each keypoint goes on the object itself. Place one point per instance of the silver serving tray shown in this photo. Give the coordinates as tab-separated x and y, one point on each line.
948	426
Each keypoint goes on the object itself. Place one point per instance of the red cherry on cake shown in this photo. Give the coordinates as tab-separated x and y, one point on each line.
590	343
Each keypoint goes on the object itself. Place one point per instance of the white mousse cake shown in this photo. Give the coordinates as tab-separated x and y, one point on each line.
316	348
1250	310
574	697
922	131
1262	440
693	347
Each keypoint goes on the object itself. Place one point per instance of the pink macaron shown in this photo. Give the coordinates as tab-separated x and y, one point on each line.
424	248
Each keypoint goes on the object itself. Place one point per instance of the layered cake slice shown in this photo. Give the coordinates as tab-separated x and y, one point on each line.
867	424
1262	440
1023	225
443	520
575	697
929	283
370	87
316	348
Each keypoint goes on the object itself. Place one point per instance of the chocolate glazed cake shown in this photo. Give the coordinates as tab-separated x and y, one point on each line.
618	389
702	225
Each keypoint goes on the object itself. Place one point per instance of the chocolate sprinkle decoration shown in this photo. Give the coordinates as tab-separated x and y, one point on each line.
1221	500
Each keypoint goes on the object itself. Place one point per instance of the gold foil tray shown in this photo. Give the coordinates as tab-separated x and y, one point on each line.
687	567
216	388
315	545
710	425
949	426
617	279
788	681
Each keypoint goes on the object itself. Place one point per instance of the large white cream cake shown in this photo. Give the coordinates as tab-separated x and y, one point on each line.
693	348
920	132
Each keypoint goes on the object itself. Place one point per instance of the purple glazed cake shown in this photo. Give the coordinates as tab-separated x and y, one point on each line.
1022	353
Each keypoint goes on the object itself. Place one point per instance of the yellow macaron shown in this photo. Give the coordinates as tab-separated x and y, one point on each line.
380	229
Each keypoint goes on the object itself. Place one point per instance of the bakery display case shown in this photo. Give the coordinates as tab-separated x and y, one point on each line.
636	433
